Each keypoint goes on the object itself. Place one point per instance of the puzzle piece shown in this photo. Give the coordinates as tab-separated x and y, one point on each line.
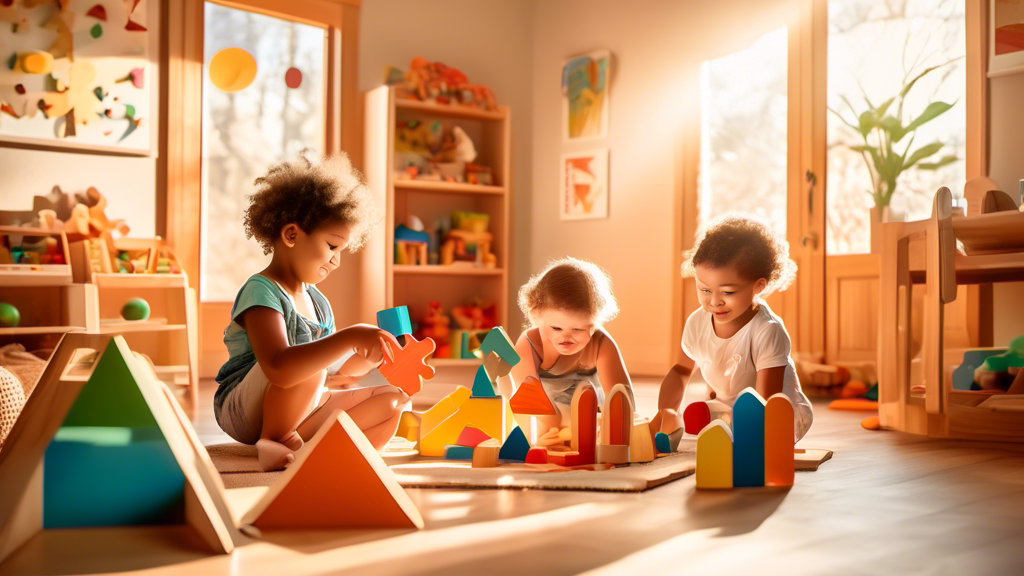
531	399
408	368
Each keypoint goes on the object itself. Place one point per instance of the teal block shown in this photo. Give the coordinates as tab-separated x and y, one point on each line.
395	320
963	375
662	443
453	452
482	387
748	439
111	476
464	347
515	447
497	341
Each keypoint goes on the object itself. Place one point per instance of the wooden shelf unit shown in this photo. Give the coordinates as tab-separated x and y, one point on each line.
35	274
924	252
387	284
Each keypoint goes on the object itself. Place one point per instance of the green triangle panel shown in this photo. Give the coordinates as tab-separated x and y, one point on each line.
111	397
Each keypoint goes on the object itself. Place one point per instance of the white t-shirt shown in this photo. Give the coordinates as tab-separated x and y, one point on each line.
729	365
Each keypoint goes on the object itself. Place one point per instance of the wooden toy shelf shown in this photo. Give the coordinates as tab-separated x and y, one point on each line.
34	274
389	284
924	252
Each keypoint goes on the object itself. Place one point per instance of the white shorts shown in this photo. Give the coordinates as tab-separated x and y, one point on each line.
241	415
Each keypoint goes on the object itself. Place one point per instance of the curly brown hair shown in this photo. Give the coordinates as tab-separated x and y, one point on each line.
310	195
570	284
749	245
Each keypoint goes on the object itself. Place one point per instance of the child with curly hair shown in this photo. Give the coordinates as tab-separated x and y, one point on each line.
281	338
734	339
565	344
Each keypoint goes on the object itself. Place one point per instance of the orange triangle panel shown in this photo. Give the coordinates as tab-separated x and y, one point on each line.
531	399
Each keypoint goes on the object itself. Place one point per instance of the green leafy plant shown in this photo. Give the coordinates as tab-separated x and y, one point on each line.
882	129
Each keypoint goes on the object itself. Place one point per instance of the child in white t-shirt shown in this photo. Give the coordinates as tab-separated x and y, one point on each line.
734	338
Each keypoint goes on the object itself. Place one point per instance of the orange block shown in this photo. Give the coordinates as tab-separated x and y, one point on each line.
617	417
408	368
854	404
584	423
531	398
778	441
338	480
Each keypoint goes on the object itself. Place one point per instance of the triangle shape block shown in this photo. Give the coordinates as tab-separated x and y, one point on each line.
531	399
515	447
482	387
497	341
471	437
338	481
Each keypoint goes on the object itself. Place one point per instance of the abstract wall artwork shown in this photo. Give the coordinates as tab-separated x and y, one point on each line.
585	83
77	74
1006	37
584	185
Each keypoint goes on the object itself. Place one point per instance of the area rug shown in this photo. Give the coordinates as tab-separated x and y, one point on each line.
239	468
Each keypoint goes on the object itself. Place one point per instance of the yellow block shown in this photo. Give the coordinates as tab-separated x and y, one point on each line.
714	456
490	415
409	427
443	409
641	448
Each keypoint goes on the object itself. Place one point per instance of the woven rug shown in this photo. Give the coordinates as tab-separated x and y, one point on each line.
239	468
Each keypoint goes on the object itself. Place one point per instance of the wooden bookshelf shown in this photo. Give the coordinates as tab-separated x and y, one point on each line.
387	284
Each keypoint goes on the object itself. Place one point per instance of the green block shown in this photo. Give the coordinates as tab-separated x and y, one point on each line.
110	476
497	341
110	397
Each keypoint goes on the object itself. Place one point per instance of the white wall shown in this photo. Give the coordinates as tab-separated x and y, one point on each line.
490	41
1006	166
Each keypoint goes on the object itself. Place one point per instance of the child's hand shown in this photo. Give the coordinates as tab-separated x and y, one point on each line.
371	342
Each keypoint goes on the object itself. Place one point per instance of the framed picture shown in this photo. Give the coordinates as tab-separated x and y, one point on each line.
79	75
1005	37
584	185
586	81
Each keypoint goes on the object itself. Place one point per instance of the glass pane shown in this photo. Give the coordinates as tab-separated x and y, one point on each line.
743	132
248	130
875	48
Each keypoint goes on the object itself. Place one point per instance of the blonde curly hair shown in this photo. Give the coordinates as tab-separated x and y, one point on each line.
310	195
747	243
570	284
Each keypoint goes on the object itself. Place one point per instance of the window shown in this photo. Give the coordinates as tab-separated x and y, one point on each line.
245	132
875	48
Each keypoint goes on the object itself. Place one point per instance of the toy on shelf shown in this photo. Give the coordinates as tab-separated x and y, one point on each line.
434	82
33	256
436	326
135	309
468	241
338	480
9	315
429	151
75	456
411	245
757	451
998	370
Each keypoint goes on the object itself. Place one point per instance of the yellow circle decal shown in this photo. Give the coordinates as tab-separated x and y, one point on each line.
232	69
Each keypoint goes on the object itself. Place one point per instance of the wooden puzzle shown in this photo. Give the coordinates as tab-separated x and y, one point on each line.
407	368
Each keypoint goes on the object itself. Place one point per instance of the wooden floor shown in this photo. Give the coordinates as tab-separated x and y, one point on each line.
887	503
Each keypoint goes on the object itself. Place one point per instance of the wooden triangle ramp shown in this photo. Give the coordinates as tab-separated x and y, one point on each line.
100	444
338	480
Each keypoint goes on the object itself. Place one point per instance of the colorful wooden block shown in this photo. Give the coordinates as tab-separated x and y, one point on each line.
531	399
443	409
106	446
696	416
486	453
395	320
566	458
613	453
338	480
779	441
491	415
482	386
455	452
617	416
963	375
408	368
409	426
714	456
537	456
748	439
496	367
641	448
471	436
515	447
497	341
584	422
661	443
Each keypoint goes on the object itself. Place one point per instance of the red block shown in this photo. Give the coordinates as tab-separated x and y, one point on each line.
696	416
566	458
537	456
471	436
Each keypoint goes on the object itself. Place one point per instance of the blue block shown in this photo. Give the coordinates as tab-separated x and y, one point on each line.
662	444
111	476
395	321
963	375
515	447
497	341
482	387
748	439
403	232
453	452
